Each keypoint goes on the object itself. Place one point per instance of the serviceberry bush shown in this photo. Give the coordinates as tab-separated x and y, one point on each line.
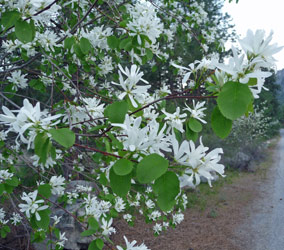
103	91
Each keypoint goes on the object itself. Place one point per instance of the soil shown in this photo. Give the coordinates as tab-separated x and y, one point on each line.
224	223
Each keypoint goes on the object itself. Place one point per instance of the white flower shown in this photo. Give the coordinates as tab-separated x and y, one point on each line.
190	70
135	136
197	161
131	245
119	204
5	175
18	79
129	85
61	240
127	217
177	218
32	206
165	224
197	110
157	228
154	215
56	219
29	117
16	218
144	21
57	183
256	45
107	228
2	216
150	204
176	119
93	106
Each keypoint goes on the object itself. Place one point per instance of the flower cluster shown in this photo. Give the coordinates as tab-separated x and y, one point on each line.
122	114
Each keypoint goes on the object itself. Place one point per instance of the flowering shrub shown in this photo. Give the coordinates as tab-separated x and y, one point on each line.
78	97
252	128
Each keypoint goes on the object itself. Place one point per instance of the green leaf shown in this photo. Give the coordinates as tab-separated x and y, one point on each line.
126	44
194	125
14	182
112	42
23	31
167	188
44	219
97	244
220	124
37	84
149	54
85	45
100	243
190	135
151	167
77	49
44	190
234	99
2	188
68	42
63	136
88	232
7	229
120	184
123	167
41	146
116	111
10	18
93	224
32	25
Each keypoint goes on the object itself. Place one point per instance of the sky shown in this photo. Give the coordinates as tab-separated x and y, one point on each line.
259	14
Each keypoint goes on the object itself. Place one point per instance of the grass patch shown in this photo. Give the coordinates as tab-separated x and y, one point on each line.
203	195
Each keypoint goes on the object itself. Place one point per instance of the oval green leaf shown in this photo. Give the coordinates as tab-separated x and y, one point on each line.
194	125
151	168
119	184
234	100
167	188
220	124
123	167
116	111
23	31
63	136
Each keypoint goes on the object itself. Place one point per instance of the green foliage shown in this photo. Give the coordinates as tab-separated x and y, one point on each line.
120	184
194	125
97	244
85	45
113	42
4	231
123	167
234	99
44	190
167	188
116	111
42	146
44	219
63	136
24	31
220	124
151	168
9	18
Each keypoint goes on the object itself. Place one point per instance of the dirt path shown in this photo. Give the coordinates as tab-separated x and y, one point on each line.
246	213
266	221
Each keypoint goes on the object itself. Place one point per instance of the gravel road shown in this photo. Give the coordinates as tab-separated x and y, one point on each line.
264	227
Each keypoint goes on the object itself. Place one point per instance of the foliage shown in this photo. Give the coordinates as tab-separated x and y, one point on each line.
95	91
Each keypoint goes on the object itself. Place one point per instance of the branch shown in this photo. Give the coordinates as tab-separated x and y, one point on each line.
97	150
